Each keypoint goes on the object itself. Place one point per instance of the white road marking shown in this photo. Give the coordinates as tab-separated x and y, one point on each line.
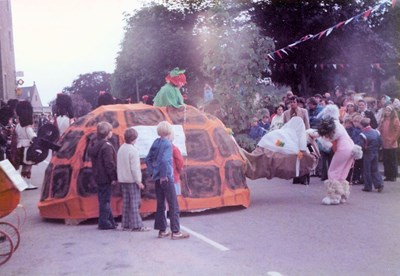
204	238
274	273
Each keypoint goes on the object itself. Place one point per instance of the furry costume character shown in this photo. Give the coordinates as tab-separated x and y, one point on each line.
334	134
169	94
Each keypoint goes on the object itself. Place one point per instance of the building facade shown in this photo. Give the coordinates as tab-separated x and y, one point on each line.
7	55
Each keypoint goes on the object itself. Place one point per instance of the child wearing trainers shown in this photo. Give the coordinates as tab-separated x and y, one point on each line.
104	159
160	167
371	142
130	178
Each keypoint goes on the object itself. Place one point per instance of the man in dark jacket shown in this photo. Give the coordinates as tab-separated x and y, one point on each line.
104	167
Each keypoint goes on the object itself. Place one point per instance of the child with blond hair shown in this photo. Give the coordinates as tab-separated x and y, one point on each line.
159	163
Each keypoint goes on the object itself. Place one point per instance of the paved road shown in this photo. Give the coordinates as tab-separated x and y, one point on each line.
285	230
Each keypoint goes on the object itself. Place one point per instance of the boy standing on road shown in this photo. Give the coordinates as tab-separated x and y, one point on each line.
130	178
159	166
371	142
104	167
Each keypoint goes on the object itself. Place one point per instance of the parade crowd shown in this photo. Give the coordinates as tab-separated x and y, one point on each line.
373	124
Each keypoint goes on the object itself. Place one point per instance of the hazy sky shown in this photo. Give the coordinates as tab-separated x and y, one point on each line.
56	40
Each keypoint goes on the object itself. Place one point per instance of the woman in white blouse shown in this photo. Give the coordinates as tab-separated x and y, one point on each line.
277	120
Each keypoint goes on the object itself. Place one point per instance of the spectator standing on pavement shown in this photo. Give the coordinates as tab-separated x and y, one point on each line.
371	142
159	163
313	110
366	113
295	110
104	161
277	119
130	179
42	120
389	127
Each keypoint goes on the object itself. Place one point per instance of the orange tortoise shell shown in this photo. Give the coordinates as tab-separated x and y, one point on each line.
213	176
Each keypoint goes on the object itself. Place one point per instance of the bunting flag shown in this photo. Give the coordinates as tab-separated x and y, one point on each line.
335	66
364	15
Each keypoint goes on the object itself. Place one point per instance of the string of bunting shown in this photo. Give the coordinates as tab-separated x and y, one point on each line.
364	15
322	66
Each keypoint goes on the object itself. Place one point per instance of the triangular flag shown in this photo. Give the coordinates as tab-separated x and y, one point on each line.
283	50
348	21
339	24
295	66
334	66
270	56
321	66
374	9
321	34
279	54
366	14
315	66
329	31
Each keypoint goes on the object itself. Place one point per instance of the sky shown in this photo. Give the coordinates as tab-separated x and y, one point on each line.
57	40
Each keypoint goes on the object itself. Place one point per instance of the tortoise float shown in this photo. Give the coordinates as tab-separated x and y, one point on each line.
213	176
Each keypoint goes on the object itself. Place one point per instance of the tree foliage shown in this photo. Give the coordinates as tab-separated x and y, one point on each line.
89	86
234	58
355	44
156	41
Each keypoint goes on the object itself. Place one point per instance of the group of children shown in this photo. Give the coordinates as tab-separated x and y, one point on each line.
164	163
259	127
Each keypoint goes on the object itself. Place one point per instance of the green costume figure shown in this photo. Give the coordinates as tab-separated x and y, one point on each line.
169	94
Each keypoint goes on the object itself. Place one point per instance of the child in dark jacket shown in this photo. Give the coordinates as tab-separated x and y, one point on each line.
256	131
159	162
371	142
104	168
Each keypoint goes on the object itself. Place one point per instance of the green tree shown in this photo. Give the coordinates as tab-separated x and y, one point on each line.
81	106
157	39
89	85
355	44
235	58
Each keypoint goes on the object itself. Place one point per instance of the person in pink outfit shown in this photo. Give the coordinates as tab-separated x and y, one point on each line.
333	134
